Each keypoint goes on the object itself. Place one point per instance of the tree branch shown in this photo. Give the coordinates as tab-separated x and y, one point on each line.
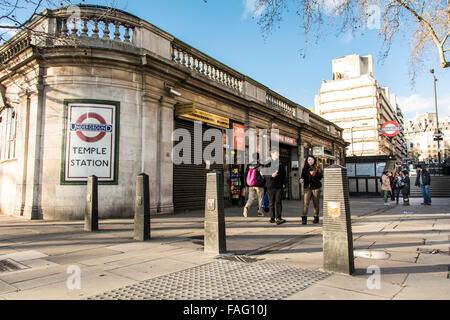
431	31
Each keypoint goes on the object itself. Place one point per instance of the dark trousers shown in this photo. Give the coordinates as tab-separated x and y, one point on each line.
275	196
395	194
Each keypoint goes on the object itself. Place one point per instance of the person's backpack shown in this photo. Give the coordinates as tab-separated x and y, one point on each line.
252	177
265	203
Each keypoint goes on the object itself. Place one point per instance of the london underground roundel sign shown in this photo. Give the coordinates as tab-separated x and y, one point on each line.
391	129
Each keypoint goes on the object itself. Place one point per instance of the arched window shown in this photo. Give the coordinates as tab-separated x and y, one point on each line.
8	120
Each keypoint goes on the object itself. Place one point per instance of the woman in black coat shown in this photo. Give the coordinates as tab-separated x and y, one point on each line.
311	178
405	186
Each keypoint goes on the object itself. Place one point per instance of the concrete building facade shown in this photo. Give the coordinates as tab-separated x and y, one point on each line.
355	101
103	96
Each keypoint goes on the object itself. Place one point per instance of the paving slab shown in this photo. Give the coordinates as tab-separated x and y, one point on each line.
321	292
6	288
435	259
142	257
78	256
24	256
30	274
91	284
152	269
423	287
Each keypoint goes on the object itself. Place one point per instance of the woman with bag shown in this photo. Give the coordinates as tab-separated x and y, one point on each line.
255	183
312	175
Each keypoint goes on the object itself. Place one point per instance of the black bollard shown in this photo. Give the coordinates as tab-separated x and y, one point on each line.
215	238
142	209
91	213
337	227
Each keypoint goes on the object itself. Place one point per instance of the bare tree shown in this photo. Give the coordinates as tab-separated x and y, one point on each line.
427	23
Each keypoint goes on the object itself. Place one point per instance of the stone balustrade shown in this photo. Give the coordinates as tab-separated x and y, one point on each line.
13	48
197	62
281	105
96	23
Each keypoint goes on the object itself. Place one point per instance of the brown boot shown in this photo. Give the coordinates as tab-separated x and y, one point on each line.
406	202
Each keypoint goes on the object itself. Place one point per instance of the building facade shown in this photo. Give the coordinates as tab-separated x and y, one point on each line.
109	95
420	135
356	102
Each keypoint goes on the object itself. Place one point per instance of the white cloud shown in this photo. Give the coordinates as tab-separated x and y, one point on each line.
416	105
251	8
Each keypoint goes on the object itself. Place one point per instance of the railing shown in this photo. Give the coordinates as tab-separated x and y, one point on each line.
280	105
96	23
15	48
206	66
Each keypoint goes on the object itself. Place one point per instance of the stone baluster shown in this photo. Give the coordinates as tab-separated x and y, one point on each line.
190	61
74	28
197	67
117	31
178	55
64	29
128	33
95	30
84	29
106	32
184	58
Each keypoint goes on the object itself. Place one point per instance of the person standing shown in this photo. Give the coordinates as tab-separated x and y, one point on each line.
255	184
423	181
276	181
311	177
386	186
405	186
391	176
396	186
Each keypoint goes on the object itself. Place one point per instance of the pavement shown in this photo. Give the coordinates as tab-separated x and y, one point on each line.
58	260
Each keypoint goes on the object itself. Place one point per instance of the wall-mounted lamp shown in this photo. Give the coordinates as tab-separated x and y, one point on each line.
172	91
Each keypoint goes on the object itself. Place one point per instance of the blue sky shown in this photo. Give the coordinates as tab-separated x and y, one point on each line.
227	30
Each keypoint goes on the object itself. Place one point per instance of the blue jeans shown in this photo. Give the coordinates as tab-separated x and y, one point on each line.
426	193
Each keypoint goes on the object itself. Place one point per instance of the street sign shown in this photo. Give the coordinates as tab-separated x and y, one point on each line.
391	129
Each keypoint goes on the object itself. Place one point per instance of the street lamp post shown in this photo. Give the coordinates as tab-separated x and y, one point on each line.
437	116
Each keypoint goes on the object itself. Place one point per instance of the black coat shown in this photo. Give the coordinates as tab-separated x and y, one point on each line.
425	177
406	189
310	181
278	182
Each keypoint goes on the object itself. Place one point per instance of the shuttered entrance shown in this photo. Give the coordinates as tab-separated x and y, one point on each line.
285	158
189	180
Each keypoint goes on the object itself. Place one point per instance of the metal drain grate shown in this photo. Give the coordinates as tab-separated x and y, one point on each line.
222	280
8	266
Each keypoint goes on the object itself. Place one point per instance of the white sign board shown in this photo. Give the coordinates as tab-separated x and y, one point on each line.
90	146
380	168
365	169
351	170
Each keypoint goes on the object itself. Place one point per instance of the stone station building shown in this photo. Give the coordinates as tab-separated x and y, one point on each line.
104	95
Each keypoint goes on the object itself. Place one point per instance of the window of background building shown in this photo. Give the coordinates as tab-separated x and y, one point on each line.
8	134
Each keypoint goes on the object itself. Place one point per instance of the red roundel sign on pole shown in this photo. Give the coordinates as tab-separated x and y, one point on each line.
391	129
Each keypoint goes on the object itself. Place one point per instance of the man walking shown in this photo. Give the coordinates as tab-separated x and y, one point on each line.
276	181
423	181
